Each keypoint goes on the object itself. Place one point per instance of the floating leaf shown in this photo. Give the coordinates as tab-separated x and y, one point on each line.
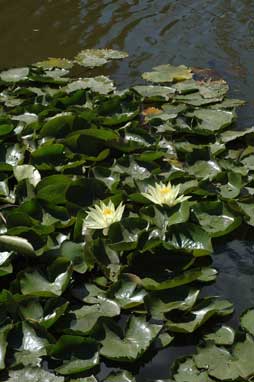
213	359
85	318
97	57
35	284
210	121
223	336
33	374
215	218
188	372
201	314
137	340
155	92
99	84
168	73
51	63
123	376
247	321
77	353
14	75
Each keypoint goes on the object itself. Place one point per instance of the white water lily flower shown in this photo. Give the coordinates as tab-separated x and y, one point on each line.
101	216
164	194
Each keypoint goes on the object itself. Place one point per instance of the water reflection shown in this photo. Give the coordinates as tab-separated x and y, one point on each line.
217	34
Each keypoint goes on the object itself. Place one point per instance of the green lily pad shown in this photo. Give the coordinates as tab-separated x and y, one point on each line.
213	359
15	75
188	372
33	374
210	121
229	136
136	341
99	84
78	354
128	292
35	284
168	73
161	303
203	312
204	169
223	336
85	318
155	92
50	63
247	321
97	57
123	376
215	218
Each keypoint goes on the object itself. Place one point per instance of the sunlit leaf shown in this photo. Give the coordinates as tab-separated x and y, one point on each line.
97	57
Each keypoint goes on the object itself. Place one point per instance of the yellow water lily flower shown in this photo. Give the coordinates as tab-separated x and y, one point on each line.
102	215
164	194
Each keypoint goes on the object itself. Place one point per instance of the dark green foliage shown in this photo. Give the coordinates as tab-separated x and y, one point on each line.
65	146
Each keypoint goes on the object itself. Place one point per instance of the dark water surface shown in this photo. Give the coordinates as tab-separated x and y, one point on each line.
205	33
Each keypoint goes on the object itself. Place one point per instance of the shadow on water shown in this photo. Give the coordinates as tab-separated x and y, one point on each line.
218	34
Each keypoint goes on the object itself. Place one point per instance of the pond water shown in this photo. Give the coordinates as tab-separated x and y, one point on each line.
204	33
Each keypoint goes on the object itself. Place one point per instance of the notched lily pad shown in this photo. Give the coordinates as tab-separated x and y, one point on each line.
136	341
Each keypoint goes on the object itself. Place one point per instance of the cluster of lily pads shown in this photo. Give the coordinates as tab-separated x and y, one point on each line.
111	204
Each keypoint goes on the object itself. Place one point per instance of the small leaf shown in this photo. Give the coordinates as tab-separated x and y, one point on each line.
97	57
168	73
51	63
98	84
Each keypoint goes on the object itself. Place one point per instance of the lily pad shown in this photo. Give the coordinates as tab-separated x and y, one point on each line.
99	84
33	374
155	92
15	75
247	321
168	73
136	341
223	336
50	63
98	57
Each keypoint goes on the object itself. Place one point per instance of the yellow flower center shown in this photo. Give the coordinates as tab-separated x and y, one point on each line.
165	190
107	212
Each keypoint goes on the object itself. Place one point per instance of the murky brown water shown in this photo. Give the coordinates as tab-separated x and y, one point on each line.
206	33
